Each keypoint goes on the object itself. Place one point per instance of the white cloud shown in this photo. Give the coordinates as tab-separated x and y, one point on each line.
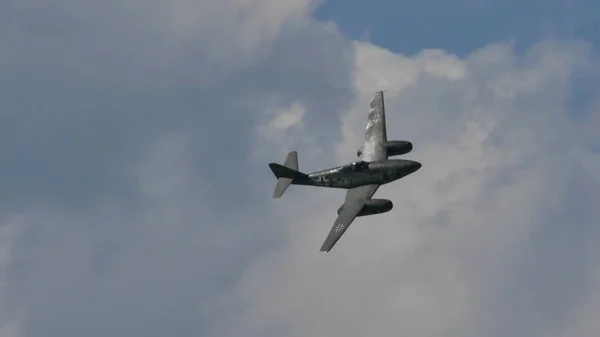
496	144
285	120
284	127
186	249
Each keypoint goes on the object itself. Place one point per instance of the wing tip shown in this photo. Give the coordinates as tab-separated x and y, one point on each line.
327	245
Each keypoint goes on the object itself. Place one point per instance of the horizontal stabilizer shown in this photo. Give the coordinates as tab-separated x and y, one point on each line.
286	173
281	171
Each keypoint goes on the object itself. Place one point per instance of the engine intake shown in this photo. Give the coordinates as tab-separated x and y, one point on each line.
394	148
398	147
373	206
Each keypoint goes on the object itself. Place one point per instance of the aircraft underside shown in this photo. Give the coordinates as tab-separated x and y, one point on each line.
361	179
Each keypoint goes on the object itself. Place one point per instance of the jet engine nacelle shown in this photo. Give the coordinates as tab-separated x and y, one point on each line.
373	206
394	148
398	147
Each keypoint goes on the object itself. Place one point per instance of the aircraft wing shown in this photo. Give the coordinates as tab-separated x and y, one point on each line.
355	200
375	134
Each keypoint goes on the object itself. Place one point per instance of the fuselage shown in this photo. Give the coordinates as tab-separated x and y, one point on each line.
362	173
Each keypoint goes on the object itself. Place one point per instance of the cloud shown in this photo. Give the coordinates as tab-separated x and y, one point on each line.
139	42
477	236
110	161
281	123
144	268
137	200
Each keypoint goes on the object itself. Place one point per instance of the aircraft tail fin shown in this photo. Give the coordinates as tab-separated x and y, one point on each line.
286	173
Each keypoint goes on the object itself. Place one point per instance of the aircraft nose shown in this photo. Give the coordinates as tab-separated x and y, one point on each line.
415	165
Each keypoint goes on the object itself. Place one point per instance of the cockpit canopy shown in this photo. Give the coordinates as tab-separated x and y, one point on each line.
356	166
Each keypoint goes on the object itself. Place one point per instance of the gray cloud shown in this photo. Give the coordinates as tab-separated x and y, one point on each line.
60	114
126	175
136	197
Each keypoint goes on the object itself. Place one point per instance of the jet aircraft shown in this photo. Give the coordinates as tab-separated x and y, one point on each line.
360	178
